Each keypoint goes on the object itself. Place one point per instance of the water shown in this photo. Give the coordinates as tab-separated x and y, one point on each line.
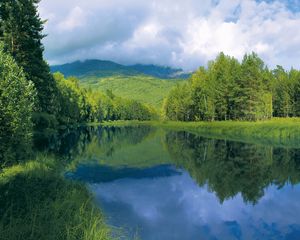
158	184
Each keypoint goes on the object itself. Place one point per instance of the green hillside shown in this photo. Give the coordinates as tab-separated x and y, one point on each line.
143	88
148	84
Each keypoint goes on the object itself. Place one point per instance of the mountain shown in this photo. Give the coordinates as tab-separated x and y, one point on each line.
159	71
148	84
100	68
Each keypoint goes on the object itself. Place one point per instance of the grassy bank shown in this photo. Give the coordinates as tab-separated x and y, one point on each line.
37	202
278	131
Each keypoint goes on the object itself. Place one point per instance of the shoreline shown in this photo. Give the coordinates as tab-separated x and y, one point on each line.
281	132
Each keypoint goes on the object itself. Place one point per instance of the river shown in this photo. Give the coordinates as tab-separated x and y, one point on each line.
158	184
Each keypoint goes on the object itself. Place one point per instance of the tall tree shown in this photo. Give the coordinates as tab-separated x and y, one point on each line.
252	96
282	92
21	30
294	76
223	73
203	103
17	97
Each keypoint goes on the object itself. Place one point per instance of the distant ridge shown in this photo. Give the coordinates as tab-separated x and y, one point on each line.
100	68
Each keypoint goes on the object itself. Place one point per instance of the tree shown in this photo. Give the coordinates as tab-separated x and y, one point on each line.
74	105
282	98
223	75
225	90
252	92
294	76
203	104
21	30
17	98
178	105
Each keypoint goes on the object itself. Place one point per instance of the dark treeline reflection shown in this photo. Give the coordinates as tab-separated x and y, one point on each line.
64	144
36	201
229	168
67	144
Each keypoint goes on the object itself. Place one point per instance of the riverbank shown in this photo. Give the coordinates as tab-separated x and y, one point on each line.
37	202
283	132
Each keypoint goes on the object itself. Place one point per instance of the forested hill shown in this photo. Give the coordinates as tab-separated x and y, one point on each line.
99	68
142	88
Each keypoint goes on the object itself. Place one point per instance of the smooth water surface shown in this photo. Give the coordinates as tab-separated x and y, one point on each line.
158	184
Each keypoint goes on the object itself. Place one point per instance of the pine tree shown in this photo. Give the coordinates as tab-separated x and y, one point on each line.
251	87
21	30
223	73
294	76
282	99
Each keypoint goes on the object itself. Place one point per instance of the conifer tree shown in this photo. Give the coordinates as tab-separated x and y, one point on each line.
251	86
21	31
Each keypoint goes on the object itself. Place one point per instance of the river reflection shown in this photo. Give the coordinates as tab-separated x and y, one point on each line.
182	186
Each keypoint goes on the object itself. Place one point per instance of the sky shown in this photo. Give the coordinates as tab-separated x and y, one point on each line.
176	33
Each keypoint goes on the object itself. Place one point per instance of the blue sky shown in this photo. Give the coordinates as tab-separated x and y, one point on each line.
178	33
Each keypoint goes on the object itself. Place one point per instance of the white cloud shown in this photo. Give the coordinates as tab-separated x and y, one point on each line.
75	19
178	33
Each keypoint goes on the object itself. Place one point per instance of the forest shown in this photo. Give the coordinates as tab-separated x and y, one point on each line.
32	98
206	134
231	90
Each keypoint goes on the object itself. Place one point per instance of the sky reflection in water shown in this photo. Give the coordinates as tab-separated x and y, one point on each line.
219	189
177	208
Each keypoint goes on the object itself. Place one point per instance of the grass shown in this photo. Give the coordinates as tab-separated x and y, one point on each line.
148	90
278	131
38	203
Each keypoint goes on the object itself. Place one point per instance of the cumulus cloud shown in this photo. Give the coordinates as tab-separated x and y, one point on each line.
179	33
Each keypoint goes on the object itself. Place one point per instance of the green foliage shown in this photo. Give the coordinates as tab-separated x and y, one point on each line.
126	109
38	203
145	89
226	90
177	106
44	121
80	105
108	107
285	87
74	106
17	99
21	30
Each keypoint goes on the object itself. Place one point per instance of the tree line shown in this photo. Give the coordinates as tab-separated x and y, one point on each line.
30	96
86	105
231	90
